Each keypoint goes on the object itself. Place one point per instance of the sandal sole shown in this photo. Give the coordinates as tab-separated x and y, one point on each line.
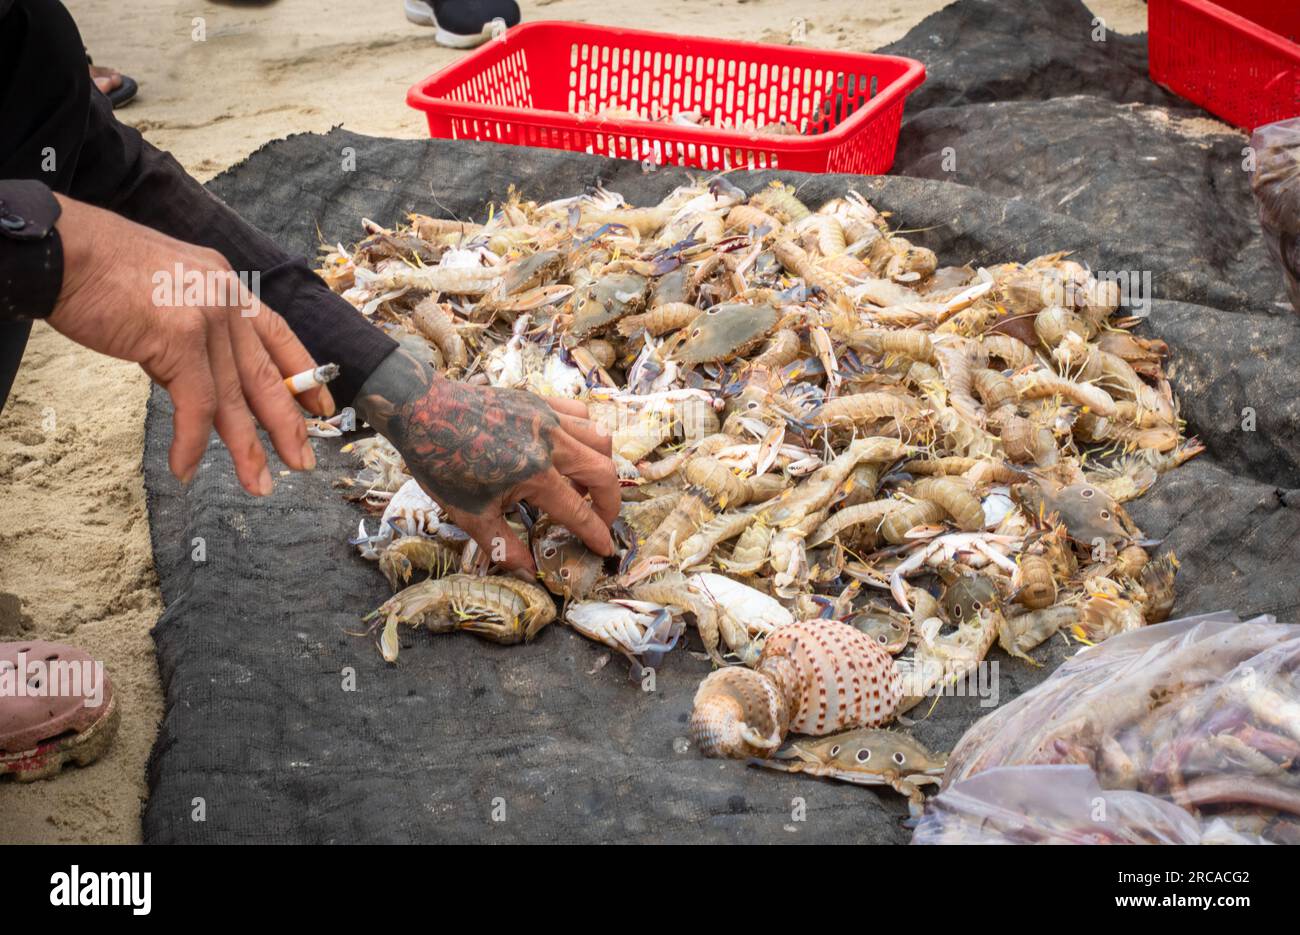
46	760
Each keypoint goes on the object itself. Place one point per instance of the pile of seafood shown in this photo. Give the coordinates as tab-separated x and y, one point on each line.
850	469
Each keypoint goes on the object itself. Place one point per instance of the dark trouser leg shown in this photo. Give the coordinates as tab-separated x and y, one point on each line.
44	102
13	341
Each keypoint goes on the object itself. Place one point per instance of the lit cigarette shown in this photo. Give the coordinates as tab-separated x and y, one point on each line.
310	379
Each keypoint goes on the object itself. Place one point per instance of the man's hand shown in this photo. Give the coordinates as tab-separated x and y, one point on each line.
478	451
220	353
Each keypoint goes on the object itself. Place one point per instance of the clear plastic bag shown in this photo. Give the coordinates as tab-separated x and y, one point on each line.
1201	713
1276	184
1050	805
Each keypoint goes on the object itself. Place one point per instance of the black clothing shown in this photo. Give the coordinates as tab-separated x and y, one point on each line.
31	263
57	129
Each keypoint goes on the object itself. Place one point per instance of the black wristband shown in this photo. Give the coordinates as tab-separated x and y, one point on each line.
31	253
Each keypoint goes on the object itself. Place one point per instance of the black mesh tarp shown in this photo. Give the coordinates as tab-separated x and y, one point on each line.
290	729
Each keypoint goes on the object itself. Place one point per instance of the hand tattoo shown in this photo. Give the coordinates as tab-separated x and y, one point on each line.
468	445
477	450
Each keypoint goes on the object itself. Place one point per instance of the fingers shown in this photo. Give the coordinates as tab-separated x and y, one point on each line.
589	433
194	398
290	357
495	537
233	421
552	493
567	407
593	473
185	372
266	394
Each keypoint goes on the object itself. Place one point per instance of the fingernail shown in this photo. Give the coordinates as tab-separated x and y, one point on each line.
308	457
188	476
264	484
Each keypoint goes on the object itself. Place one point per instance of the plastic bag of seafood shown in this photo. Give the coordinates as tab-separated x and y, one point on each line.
1059	805
1201	713
1275	148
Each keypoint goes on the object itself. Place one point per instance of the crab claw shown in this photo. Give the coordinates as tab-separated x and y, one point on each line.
898	588
365	542
722	187
643	569
361	535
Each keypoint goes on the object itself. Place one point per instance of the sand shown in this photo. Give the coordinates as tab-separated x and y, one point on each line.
76	566
75	558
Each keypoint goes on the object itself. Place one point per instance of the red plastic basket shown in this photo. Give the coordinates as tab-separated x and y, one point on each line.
1236	58
543	84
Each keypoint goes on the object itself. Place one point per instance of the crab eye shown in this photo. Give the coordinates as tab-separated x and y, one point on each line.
1087	493
899	759
863	755
835	750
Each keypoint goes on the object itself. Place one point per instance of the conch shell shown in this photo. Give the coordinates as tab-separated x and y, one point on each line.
814	677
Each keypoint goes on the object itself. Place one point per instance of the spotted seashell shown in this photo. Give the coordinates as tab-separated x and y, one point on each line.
833	677
738	713
814	677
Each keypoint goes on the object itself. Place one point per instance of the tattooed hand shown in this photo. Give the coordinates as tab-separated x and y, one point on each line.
478	450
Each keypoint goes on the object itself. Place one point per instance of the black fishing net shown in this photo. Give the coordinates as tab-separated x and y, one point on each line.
281	726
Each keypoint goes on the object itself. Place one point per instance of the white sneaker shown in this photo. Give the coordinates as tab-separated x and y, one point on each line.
463	24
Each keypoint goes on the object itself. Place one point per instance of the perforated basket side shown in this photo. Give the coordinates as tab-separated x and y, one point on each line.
1234	67
502	81
724	88
614	92
869	153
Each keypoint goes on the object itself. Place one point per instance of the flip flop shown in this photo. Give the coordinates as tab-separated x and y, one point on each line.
124	93
41	732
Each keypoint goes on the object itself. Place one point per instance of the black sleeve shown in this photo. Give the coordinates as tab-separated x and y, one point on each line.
31	257
44	97
47	104
118	170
